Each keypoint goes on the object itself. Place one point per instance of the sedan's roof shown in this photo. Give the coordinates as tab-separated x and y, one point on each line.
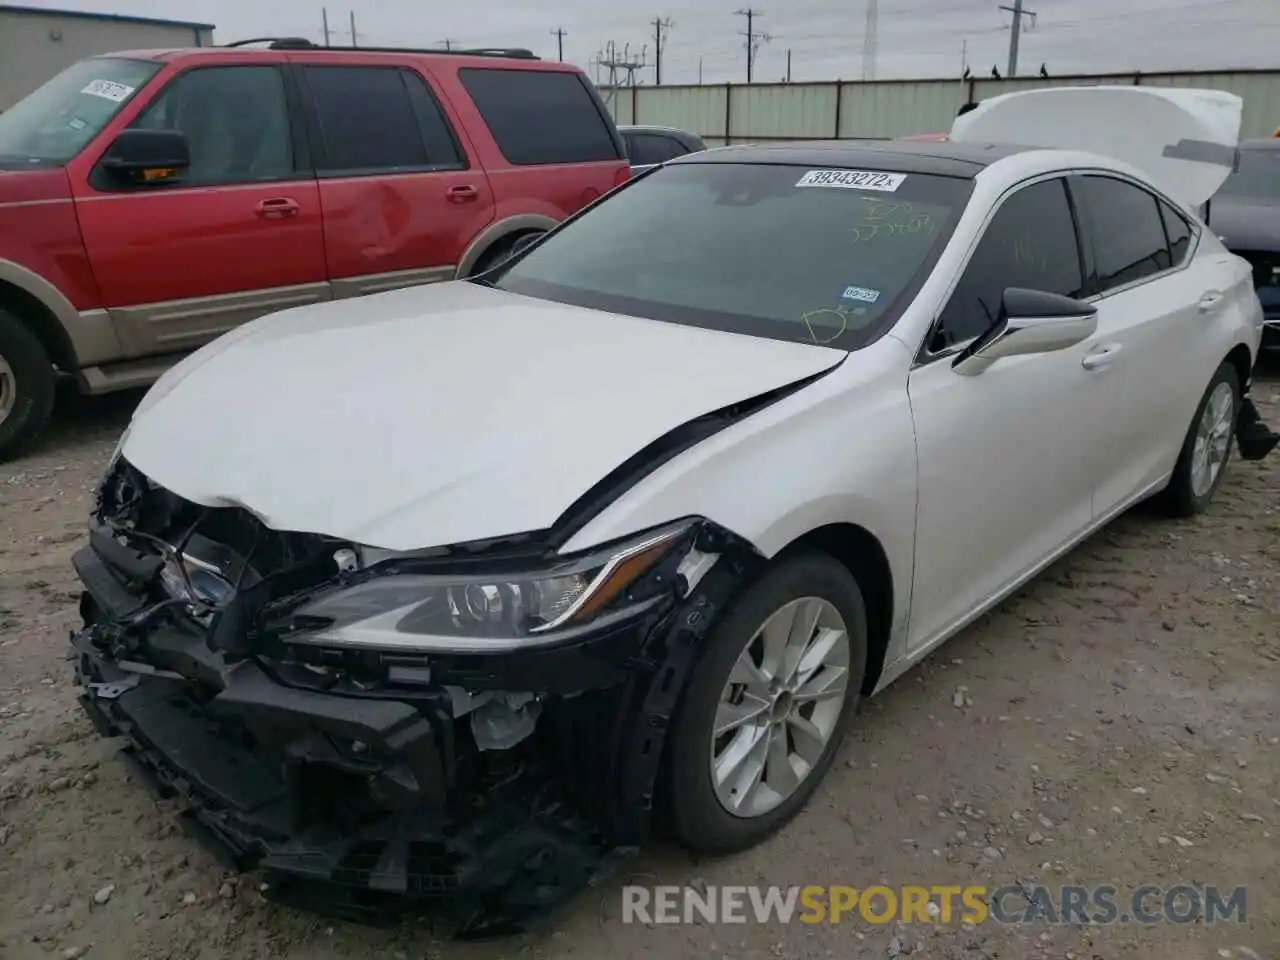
943	158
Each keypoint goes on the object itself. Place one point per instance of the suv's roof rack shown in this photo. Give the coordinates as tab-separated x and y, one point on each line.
302	43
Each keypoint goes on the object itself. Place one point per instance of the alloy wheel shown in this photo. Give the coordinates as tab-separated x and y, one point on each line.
780	707
1213	439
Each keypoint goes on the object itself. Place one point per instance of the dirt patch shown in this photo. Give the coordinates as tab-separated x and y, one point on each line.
1114	723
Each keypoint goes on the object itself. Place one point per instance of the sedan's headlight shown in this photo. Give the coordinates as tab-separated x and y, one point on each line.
481	611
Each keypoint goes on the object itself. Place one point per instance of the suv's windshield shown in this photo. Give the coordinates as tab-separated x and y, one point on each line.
53	123
815	256
1258	176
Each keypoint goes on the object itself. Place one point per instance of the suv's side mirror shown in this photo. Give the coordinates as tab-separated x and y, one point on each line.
1030	321
147	156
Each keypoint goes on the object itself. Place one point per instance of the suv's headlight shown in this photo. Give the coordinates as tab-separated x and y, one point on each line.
481	611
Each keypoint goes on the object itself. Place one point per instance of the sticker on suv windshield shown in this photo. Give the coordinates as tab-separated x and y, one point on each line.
853	180
861	294
108	90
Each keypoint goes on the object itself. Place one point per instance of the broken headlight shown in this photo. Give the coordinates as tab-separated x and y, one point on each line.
482	611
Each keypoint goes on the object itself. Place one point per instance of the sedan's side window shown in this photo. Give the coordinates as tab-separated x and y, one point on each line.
1030	242
1178	231
1124	223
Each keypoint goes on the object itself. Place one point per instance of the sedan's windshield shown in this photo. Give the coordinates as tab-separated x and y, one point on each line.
787	252
1258	176
53	123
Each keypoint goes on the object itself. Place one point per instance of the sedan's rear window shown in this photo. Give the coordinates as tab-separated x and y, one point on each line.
787	252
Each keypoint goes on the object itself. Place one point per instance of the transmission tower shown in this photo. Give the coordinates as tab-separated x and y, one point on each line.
871	40
620	65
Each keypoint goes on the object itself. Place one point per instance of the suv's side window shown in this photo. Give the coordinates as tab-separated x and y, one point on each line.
540	116
1178	231
1030	242
1124	224
378	120
235	119
650	148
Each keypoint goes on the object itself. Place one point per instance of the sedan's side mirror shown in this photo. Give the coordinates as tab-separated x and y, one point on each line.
147	156
1030	321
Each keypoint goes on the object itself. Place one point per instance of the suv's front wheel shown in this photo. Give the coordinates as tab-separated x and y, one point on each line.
28	384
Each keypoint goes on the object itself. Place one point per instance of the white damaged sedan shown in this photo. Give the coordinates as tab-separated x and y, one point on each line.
627	525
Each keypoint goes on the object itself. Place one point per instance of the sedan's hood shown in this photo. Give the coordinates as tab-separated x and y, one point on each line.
436	415
1246	223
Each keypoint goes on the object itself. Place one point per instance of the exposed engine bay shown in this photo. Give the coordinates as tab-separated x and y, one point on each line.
362	771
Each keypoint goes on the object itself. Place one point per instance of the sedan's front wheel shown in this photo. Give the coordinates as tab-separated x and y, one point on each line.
771	697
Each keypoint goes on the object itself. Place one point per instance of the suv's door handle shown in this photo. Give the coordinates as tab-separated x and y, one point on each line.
1101	356
1209	299
277	208
462	193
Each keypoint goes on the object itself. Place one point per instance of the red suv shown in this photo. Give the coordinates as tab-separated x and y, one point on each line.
151	201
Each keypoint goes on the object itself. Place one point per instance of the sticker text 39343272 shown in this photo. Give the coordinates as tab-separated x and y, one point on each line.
853	180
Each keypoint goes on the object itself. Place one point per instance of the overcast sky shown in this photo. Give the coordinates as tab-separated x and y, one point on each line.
917	38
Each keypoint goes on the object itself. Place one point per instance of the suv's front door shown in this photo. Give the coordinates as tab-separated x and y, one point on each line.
238	236
1004	476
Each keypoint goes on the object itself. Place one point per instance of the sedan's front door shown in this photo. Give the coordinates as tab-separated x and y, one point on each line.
1004	478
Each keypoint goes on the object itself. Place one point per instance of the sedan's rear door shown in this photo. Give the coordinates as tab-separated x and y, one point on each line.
1157	348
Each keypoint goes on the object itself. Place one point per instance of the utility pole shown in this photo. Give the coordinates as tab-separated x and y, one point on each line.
447	43
660	27
1014	30
754	38
699	69
559	34
354	35
871	40
324	16
788	64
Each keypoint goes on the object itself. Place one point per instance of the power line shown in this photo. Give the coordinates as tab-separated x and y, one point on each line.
559	34
754	38
660	27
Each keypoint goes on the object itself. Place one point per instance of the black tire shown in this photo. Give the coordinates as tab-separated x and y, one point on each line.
698	820
33	390
497	253
1179	498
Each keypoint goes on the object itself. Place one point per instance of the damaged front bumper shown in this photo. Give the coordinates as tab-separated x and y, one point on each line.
484	788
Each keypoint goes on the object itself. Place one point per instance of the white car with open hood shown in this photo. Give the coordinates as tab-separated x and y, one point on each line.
627	525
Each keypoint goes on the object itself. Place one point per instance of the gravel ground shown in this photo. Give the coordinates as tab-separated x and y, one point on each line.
1114	723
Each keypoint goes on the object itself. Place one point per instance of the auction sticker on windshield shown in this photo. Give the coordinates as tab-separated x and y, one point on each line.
108	90
853	180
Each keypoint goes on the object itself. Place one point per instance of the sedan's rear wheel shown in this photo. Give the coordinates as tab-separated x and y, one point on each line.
768	705
1206	449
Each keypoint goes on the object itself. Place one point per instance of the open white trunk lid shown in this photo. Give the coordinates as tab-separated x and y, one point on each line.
1184	140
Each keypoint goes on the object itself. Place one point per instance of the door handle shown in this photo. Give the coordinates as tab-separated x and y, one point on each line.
462	193
1210	299
1101	356
277	208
